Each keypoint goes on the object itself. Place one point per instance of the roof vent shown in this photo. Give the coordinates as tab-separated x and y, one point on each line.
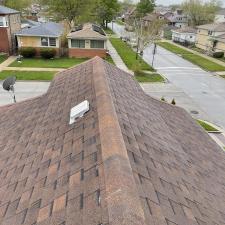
78	111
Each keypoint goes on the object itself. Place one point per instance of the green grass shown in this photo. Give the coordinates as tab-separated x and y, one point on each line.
143	77
206	126
3	58
109	59
28	75
48	63
109	31
200	61
129	56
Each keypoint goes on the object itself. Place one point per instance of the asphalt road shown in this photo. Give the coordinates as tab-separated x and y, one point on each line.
205	89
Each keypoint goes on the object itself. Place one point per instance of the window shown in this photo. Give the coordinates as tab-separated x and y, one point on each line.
44	41
52	42
77	43
210	32
97	44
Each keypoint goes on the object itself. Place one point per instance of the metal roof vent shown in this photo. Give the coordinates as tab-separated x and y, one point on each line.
78	111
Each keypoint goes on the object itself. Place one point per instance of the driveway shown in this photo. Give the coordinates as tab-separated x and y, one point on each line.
204	89
23	90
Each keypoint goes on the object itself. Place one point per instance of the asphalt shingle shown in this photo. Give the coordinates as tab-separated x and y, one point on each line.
130	160
5	10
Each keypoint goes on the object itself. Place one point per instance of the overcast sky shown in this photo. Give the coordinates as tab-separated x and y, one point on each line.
169	2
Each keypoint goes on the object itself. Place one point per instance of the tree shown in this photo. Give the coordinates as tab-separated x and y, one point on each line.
18	5
144	7
69	10
106	11
200	12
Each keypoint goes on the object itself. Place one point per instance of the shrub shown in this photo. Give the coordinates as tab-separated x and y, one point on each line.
27	52
47	53
173	102
163	99
218	54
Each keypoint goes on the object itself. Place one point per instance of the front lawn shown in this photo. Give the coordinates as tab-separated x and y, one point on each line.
3	58
109	59
120	22
27	75
129	56
108	31
49	63
200	61
206	126
143	77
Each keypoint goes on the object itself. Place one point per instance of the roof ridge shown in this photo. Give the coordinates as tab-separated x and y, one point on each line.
123	203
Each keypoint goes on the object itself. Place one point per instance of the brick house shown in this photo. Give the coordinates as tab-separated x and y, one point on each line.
87	41
45	35
129	160
10	23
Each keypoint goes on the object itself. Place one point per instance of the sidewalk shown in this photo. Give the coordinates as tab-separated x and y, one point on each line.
117	59
7	62
197	53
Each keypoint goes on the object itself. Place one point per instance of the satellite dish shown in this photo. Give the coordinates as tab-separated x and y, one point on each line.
8	85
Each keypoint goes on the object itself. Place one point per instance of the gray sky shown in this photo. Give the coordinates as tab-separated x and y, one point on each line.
169	2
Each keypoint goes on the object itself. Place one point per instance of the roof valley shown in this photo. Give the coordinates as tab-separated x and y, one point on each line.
124	206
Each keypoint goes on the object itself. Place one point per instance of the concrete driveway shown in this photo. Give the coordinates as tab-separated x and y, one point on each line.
23	90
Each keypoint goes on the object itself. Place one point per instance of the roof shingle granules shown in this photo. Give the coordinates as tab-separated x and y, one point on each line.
130	160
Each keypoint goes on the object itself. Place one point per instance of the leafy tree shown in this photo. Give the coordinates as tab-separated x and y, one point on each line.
16	4
144	7
69	10
106	11
199	11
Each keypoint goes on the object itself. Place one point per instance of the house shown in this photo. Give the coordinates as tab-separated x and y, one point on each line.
9	24
41	36
130	159
220	16
206	35
26	23
148	19
88	40
178	19
184	36
219	43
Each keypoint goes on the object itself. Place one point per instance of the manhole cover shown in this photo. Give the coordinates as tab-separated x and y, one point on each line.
194	112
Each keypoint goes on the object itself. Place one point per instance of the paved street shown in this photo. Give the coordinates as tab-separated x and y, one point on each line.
206	91
23	90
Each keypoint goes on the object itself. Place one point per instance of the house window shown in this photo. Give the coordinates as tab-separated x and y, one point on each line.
77	43
52	42
44	41
97	44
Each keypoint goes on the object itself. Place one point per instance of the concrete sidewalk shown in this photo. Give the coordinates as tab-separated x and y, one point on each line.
117	59
7	62
33	69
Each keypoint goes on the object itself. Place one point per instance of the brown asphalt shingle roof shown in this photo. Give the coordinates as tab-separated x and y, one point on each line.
131	160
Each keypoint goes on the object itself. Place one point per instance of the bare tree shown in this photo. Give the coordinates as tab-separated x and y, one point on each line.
147	33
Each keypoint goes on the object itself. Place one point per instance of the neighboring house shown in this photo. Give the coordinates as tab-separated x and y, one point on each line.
206	35
26	23
9	24
129	160
178	19
186	35
41	36
220	16
88	40
219	43
148	19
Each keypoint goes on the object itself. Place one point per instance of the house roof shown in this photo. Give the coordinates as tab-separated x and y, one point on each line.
5	10
130	160
213	27
151	17
49	29
175	18
186	30
88	31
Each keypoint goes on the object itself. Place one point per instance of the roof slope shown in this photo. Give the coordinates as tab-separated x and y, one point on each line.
5	10
213	27
130	160
49	29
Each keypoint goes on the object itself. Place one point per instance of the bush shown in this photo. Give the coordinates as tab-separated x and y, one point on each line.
47	53
27	52
218	55
173	102
163	99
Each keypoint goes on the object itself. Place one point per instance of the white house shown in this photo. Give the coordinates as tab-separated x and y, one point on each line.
185	35
220	16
